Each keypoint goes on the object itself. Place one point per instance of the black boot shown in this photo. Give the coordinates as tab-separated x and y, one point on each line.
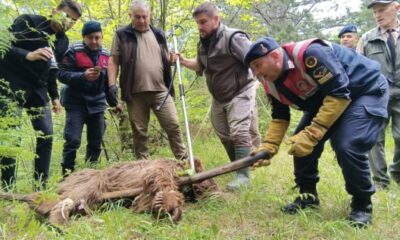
361	212
308	199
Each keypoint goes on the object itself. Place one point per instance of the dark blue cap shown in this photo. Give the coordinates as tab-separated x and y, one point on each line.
349	28
260	48
91	27
378	1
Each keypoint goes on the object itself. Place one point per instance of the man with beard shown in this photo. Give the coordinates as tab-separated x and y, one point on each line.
220	56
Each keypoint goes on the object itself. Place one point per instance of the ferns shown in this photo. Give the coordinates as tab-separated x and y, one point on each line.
5	36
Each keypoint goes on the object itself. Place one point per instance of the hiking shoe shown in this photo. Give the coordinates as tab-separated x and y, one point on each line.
306	200
361	213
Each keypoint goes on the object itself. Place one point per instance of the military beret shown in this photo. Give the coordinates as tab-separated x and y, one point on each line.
260	48
378	1
349	28
91	27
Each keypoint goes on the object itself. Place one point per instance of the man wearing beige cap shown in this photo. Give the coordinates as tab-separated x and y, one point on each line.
380	44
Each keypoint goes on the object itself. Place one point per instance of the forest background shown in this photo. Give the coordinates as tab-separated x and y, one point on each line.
252	213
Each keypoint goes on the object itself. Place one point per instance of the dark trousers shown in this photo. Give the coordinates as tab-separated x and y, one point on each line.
95	124
352	136
43	125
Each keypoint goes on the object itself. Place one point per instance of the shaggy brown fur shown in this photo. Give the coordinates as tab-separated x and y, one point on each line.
83	190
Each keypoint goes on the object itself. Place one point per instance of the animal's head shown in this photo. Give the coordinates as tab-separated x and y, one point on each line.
196	191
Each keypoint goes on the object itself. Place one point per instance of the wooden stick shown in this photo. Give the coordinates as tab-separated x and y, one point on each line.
230	167
198	177
128	193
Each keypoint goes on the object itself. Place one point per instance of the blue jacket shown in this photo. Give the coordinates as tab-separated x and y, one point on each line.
345	74
77	92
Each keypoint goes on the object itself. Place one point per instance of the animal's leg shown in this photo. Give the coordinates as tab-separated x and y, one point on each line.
60	213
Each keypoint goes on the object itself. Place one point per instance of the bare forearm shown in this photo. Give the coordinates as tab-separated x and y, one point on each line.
112	70
192	64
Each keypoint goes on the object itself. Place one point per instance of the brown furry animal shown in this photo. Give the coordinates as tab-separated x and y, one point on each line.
82	191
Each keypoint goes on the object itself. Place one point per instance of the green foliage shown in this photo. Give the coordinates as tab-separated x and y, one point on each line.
5	36
10	126
250	214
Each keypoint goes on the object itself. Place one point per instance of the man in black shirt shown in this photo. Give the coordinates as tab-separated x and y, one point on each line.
30	67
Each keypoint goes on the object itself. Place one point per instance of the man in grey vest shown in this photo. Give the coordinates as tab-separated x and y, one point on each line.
220	55
380	44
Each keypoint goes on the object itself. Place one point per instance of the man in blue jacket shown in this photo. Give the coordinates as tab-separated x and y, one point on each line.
348	36
344	98
84	73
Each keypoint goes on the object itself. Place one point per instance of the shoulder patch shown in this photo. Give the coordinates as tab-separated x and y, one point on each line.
311	62
78	46
322	74
105	52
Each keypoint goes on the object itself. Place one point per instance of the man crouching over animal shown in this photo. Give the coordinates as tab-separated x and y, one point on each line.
87	189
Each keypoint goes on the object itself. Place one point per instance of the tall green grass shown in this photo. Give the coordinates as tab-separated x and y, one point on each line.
252	213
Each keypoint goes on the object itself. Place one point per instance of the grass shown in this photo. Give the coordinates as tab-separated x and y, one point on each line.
252	213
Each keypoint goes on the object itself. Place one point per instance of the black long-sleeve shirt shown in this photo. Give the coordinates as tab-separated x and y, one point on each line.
35	78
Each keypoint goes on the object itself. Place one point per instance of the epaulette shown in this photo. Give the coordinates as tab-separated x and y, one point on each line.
78	46
105	52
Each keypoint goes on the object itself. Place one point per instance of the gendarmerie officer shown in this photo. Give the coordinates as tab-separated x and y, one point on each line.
344	98
84	73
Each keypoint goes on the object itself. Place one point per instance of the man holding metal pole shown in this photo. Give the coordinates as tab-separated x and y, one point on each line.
142	54
220	56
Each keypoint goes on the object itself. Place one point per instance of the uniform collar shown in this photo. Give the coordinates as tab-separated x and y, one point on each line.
287	66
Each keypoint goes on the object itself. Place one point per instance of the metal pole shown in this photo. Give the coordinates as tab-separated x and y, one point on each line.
182	95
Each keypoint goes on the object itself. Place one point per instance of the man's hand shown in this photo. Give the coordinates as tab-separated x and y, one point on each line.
172	58
112	96
192	64
261	162
302	143
119	108
40	54
56	106
92	74
182	60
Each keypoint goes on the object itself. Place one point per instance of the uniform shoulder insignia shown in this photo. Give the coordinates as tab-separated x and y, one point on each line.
78	46
311	62
322	74
104	51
